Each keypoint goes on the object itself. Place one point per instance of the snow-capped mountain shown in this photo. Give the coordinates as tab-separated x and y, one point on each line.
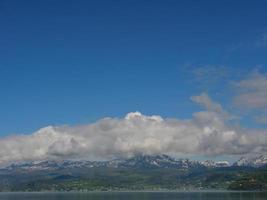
139	161
62	164
210	163
158	161
150	169
258	161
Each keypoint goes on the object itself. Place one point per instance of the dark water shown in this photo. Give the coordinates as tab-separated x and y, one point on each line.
137	196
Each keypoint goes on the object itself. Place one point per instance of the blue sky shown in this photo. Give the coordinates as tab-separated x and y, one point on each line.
74	62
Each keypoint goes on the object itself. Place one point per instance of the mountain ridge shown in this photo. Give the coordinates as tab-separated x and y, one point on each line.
255	161
138	161
140	172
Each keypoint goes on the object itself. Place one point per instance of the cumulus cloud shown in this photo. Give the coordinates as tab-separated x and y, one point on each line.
207	133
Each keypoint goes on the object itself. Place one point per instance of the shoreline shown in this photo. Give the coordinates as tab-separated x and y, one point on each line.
135	191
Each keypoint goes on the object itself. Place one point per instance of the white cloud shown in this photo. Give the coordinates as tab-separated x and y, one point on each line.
252	92
207	133
204	100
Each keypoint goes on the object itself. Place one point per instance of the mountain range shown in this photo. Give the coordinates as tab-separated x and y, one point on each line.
139	161
140	172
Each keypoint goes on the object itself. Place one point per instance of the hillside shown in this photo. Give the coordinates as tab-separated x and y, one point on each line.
256	180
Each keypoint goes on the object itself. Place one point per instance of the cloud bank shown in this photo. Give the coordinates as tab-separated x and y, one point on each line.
207	133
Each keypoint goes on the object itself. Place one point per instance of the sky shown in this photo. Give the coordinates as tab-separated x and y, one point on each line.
133	77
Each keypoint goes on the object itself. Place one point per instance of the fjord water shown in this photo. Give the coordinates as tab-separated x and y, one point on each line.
136	196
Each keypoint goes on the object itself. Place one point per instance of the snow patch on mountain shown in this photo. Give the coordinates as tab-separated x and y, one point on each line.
254	161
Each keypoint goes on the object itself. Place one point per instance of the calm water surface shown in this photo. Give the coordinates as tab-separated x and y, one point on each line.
137	196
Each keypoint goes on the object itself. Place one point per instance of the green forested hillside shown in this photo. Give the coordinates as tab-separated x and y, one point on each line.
252	181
